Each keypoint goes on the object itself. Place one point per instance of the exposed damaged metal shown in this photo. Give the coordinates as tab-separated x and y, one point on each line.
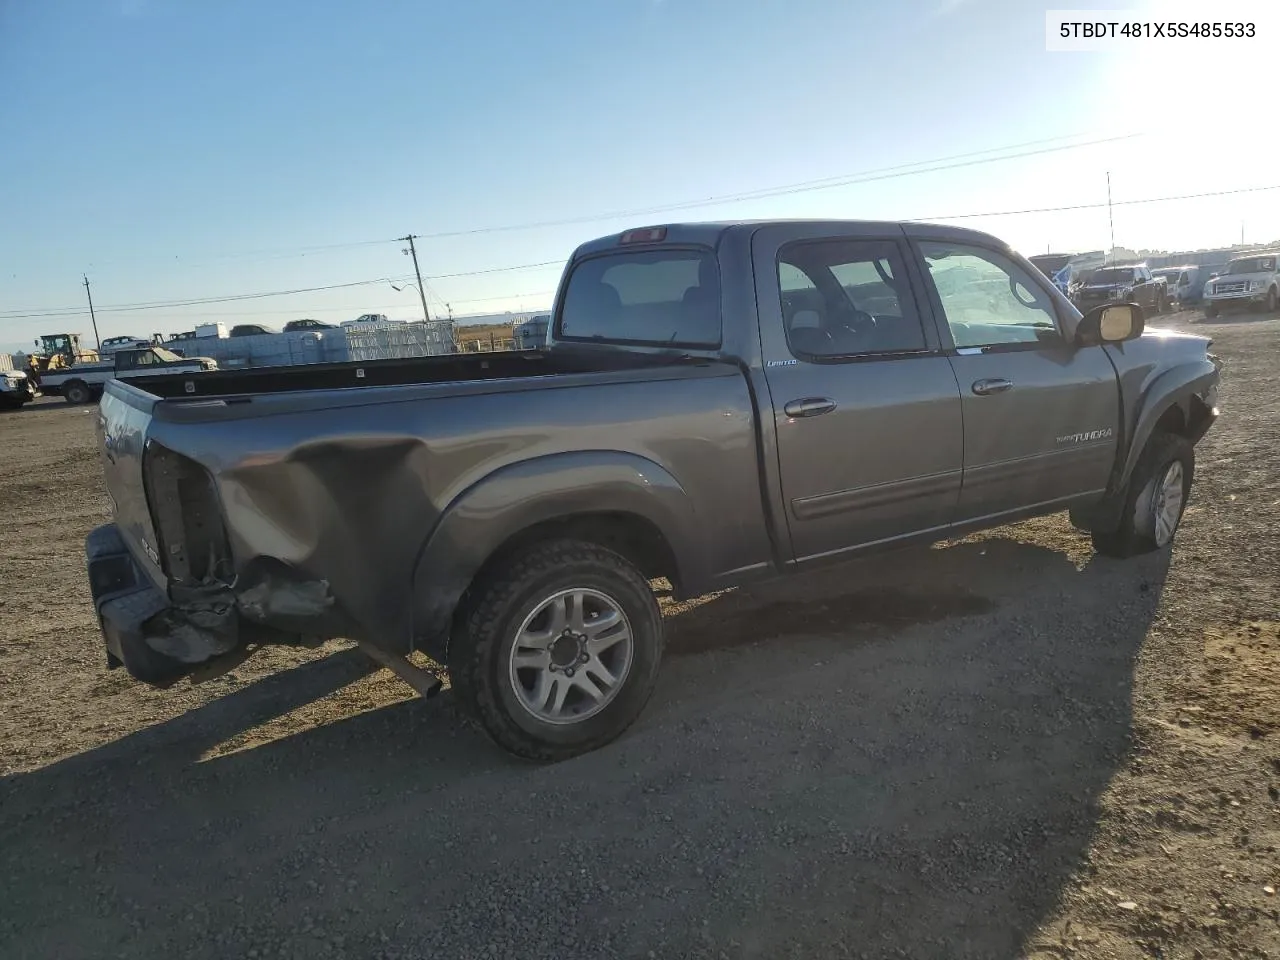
192	632
269	601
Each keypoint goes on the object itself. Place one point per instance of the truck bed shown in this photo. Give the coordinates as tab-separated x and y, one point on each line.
402	372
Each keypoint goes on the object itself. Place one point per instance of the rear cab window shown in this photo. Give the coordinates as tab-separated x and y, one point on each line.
667	296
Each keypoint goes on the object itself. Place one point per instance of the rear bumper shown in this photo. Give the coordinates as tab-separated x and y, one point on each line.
124	601
143	631
160	635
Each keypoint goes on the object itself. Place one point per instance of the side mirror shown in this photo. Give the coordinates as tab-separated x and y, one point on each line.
1110	323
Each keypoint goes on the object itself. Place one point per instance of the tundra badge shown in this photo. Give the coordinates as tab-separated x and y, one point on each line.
1086	436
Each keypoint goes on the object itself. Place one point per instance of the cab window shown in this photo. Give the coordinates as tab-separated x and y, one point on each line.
847	298
987	299
663	297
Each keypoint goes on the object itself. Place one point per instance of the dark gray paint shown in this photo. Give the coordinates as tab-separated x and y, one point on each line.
384	502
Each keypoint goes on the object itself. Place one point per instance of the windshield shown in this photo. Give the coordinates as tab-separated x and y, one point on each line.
1111	275
1252	265
653	297
168	356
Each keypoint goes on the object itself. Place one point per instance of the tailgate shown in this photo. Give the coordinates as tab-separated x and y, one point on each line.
123	418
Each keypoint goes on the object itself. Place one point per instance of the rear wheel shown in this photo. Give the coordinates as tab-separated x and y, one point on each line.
77	391
1154	500
558	651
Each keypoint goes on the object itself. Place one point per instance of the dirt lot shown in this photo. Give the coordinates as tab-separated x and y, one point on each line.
999	748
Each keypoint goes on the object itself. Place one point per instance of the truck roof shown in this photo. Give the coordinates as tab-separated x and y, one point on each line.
709	233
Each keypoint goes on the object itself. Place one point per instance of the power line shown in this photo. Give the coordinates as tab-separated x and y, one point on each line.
519	266
284	253
33	312
1094	206
867	176
900	170
189	319
276	253
316	310
193	302
200	301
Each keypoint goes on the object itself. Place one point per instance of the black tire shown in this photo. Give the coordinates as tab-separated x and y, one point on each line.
1136	533
493	612
77	392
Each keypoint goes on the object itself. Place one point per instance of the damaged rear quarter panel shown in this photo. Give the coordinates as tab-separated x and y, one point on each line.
329	498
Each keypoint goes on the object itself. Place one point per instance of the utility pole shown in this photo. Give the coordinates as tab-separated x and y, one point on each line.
97	341
1110	218
413	252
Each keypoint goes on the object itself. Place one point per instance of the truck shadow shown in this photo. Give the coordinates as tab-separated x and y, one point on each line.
850	766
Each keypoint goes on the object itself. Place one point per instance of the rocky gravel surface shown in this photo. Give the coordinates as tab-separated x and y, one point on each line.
1003	747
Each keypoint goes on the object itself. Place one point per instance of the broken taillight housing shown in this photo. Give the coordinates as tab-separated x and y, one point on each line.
191	536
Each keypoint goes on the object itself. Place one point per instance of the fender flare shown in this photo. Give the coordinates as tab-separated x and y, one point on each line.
511	499
1175	387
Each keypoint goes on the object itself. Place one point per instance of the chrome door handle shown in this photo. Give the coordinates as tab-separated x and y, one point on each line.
809	407
985	387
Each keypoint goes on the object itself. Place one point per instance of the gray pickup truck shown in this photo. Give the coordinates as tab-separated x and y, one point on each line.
717	403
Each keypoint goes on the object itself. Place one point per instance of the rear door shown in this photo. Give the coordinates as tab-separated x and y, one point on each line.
865	405
1040	414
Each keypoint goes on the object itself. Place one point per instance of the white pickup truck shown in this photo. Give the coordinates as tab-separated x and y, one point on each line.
1252	281
85	382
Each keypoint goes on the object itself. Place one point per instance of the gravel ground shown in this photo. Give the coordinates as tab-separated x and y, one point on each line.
1004	747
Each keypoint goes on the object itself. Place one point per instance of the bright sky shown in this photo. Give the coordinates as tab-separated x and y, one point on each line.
177	151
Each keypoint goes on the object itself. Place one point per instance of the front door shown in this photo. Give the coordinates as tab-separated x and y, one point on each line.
865	404
1041	415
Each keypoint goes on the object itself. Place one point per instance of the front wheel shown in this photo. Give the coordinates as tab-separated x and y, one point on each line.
558	651
1154	500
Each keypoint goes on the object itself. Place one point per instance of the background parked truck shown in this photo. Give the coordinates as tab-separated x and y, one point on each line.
1252	281
84	382
1131	283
